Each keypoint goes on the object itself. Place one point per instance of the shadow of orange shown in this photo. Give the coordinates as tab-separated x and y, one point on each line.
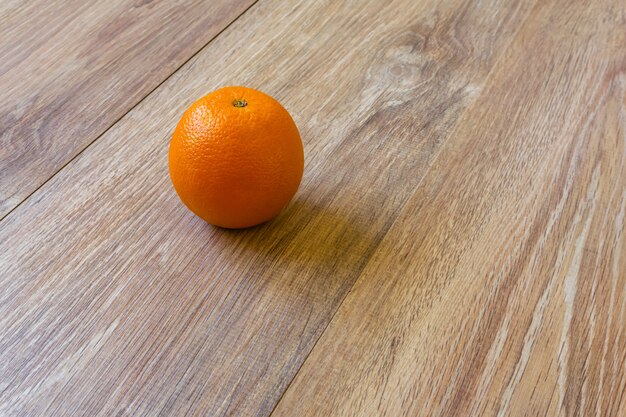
304	232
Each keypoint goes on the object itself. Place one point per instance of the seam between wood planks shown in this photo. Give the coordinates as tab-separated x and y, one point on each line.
80	152
490	74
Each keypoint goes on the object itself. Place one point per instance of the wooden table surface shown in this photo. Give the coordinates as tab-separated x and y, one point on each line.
457	246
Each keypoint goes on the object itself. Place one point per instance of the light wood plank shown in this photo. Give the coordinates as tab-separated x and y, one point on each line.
116	299
70	69
501	288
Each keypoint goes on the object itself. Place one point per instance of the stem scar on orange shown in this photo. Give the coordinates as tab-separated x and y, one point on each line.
236	157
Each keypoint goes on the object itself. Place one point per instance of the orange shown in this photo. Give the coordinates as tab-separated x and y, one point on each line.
236	157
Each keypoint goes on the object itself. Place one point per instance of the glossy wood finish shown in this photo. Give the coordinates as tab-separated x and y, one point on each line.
501	288
465	168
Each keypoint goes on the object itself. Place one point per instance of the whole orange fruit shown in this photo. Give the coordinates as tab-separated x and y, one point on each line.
236	157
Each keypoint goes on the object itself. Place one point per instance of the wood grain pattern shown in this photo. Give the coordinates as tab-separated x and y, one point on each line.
70	69
501	288
117	300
